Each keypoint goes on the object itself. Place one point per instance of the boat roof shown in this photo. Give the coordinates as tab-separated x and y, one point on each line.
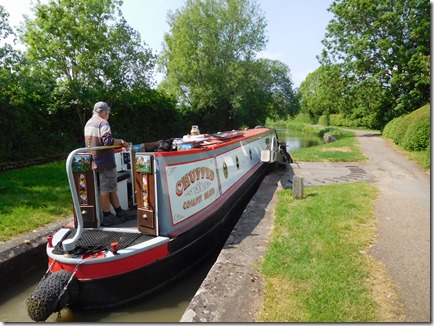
206	142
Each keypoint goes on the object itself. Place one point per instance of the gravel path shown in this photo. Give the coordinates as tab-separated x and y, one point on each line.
403	223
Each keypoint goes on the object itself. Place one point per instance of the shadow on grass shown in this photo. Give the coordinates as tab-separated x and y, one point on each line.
36	187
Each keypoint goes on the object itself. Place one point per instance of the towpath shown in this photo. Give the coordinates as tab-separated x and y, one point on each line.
233	289
403	223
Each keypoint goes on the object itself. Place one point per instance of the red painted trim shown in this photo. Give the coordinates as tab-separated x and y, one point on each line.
113	267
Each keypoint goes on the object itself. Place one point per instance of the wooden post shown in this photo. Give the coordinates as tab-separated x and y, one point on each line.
297	187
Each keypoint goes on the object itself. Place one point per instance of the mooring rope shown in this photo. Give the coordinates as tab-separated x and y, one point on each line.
69	281
48	271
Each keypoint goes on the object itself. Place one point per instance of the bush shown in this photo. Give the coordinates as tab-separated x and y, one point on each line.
339	119
412	131
324	120
302	118
396	130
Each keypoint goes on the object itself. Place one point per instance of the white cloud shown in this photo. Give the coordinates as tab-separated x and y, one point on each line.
16	10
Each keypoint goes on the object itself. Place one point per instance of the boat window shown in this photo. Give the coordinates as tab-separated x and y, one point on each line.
225	170
250	154
237	162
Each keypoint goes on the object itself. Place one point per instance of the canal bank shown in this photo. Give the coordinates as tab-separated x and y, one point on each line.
233	288
25	254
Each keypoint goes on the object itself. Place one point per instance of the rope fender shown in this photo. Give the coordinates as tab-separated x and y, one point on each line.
52	294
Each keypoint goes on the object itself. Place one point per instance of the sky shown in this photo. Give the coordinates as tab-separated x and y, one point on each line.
295	28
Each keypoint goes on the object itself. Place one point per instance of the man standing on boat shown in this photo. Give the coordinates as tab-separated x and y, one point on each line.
97	133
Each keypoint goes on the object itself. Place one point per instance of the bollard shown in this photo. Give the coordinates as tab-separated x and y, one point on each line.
297	187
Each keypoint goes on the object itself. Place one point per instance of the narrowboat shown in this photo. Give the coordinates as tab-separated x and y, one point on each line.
183	195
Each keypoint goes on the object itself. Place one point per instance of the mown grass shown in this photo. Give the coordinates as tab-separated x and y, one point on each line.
345	149
33	197
315	269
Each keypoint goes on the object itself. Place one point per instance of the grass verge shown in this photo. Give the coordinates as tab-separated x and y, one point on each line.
345	149
315	268
421	158
33	197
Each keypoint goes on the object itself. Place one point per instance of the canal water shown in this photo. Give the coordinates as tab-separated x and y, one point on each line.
166	306
296	139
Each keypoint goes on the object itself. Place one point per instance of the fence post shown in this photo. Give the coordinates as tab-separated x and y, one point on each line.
297	187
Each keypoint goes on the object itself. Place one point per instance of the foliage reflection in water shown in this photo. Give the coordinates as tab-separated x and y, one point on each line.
296	139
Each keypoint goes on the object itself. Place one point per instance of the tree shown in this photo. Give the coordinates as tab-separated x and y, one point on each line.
284	101
160	121
384	47
21	128
322	92
208	52
88	50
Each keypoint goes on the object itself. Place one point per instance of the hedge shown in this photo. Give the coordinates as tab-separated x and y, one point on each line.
411	131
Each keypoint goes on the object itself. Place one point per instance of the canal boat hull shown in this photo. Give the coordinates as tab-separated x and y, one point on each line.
185	253
186	203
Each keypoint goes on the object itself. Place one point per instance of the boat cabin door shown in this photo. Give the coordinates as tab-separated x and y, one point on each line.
144	181
268	155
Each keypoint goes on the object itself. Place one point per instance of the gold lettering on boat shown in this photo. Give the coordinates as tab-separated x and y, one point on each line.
193	176
209	193
192	202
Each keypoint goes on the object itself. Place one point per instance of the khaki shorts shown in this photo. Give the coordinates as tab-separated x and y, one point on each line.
108	180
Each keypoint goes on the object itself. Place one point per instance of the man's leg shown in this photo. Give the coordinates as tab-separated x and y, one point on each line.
108	187
105	201
114	200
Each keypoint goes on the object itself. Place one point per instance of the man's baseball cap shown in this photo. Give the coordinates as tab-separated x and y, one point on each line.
101	106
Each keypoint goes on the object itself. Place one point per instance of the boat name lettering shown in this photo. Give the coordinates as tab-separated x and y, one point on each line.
209	193
193	176
192	202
